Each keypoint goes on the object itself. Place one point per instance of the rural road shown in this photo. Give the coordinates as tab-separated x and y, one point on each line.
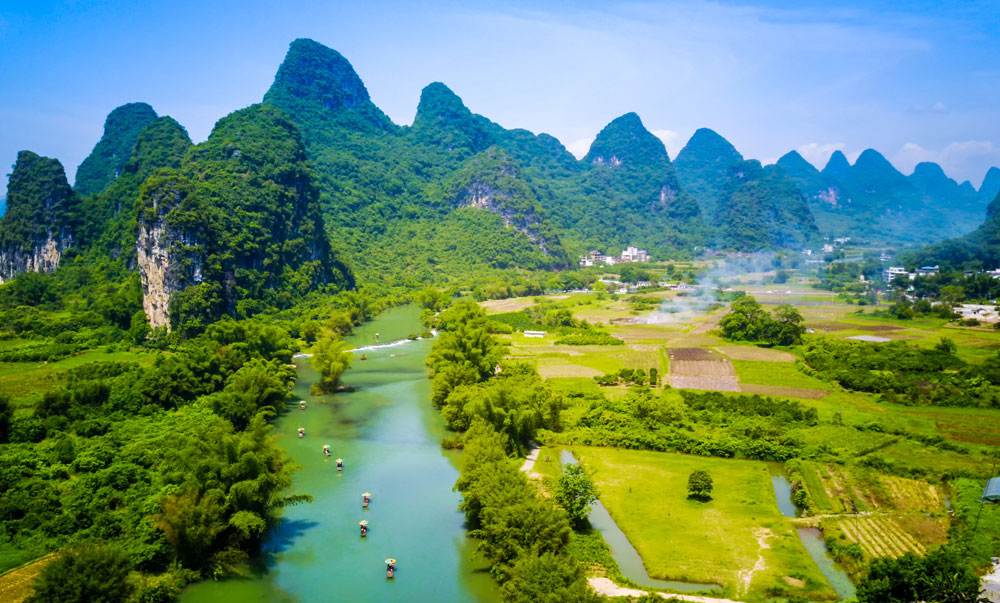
606	587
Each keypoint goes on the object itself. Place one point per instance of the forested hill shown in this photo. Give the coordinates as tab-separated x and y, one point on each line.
990	187
762	208
238	224
703	167
980	249
871	199
42	218
105	162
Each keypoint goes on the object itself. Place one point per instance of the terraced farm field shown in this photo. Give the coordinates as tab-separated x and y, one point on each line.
879	536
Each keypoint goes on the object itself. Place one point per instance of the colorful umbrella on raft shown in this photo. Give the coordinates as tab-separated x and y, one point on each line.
340	460
367	495
390	561
363	523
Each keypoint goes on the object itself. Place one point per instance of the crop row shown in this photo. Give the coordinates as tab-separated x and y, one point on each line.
880	537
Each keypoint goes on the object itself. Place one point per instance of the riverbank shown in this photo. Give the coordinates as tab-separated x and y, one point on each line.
606	587
388	433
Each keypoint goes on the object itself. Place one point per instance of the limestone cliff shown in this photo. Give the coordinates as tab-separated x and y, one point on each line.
491	181
41	218
168	259
235	228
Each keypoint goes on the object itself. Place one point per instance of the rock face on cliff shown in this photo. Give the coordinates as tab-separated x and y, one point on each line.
235	227
631	194
109	217
491	181
41	219
105	163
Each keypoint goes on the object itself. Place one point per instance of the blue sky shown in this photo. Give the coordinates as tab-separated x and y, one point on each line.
915	80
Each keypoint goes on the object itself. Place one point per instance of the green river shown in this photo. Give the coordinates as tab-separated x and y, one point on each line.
388	434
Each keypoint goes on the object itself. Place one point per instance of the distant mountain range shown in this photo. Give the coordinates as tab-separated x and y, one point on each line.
453	192
873	200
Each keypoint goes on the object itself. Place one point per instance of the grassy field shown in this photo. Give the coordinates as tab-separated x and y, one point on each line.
21	379
15	585
776	373
739	538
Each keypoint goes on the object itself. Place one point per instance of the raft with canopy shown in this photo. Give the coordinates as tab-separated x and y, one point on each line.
340	464
364	527
390	567
365	498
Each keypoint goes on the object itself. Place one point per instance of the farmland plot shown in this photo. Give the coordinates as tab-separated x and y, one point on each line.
698	368
879	536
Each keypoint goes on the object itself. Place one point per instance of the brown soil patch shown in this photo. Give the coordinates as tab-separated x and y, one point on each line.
698	368
743	352
715	384
702	368
793	582
784	392
963	432
693	354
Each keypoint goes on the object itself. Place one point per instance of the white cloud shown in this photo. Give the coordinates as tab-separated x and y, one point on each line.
818	153
672	140
580	147
937	107
962	160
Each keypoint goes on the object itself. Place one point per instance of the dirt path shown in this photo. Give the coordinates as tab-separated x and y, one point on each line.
529	461
606	587
746	576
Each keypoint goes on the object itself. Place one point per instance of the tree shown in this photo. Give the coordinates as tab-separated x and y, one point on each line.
746	320
547	578
90	574
700	485
943	576
331	360
6	415
786	326
575	492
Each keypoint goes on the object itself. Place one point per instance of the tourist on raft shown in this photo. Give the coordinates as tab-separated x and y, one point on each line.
302	432
326	449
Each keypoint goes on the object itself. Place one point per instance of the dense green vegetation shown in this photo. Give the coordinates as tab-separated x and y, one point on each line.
109	218
241	218
521	533
980	249
748	321
703	167
171	463
41	207
469	383
907	375
761	208
107	161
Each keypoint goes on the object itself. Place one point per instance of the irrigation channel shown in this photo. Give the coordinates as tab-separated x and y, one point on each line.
812	539
628	559
388	434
